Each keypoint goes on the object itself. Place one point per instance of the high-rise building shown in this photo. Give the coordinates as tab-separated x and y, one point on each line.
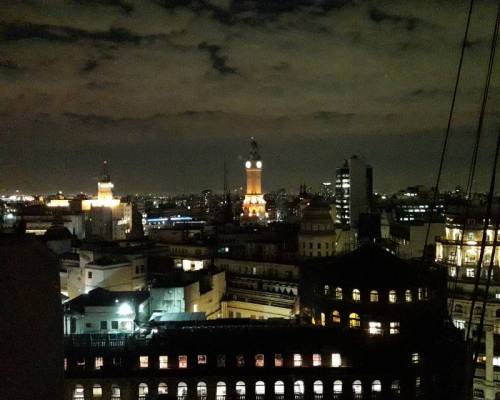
353	191
254	205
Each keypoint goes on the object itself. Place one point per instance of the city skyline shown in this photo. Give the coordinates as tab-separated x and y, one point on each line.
173	87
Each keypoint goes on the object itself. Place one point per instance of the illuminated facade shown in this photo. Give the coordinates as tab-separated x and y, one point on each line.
458	251
254	205
108	217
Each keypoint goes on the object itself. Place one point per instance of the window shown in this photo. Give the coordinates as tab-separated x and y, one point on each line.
201	390
114	324
98	362
374	328
220	391
162	388
318	387
182	390
373	296
240	360
336	360
394	328
202	359
298	388
420	295
336	317
115	392
143	361
143	390
496	361
354	321
395	387
408	296
326	290
163	362
89	274
376	386
65	364
459	309
392	296
259	360
260	388
221	360
338	293
356	295
415	358
357	388
452	272
81	362
78	393
279	387
240	388
96	391
337	387
117	361
316	360
183	361
323	318
278	360
470	273
297	360
104	325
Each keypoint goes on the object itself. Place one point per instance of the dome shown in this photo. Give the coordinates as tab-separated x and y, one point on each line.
57	232
317	216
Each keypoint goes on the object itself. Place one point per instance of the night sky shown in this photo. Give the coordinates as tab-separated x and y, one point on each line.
165	89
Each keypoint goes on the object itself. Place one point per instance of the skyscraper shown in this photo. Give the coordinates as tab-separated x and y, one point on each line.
353	191
254	205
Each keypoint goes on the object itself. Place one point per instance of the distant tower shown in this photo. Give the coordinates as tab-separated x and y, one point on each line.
254	205
104	186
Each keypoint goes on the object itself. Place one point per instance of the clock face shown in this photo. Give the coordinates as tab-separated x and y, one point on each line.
259	164
248	164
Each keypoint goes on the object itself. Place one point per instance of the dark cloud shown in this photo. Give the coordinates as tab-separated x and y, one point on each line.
314	80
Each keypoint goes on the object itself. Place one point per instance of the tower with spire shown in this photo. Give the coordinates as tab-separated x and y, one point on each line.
254	205
105	186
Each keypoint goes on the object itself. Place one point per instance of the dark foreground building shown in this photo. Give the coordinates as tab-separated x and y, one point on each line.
397	311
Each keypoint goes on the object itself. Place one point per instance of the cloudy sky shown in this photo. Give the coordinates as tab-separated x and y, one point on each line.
166	89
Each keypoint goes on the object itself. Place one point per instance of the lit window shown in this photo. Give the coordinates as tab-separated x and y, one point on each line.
373	296
459	323
259	360
163	362
394	328
65	364
297	360
496	361
279	387
78	393
326	290
182	390
415	358
115	392
98	362
395	387
354	321
376	386
183	361
220	391
417	382
316	360
374	328
470	273
278	360
298	388
336	317
240	360
240	389
338	293
96	391
408	296
337	387
336	360
452	272
143	390
162	388
143	361
392	296
202	359
356	295
260	388
323	319
357	388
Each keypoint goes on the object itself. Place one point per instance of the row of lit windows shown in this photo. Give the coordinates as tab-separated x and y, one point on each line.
374	327
374	294
240	389
202	359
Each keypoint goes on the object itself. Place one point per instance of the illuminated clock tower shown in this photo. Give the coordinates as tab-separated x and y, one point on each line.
254	205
